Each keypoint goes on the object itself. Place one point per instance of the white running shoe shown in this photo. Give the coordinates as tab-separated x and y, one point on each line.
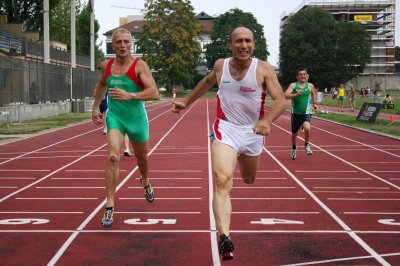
105	131
308	149
127	153
293	153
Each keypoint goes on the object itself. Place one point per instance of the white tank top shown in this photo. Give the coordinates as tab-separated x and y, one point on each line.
240	102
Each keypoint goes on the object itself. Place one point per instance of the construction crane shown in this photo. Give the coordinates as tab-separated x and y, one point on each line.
135	7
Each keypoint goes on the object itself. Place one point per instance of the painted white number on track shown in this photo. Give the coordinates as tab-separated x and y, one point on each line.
275	221
388	221
23	221
151	221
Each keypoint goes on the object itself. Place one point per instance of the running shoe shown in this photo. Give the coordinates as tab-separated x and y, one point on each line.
302	129
225	247
127	153
148	191
308	149
293	153
107	220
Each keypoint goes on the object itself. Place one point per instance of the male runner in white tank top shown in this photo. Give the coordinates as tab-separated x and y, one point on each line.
241	124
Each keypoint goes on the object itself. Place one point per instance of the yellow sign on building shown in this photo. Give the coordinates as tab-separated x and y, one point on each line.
362	18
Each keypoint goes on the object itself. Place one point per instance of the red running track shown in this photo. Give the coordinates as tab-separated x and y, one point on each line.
339	206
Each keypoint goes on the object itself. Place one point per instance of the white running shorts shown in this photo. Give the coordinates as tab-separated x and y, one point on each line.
240	137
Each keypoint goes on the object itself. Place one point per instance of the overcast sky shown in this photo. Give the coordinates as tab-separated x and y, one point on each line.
267	13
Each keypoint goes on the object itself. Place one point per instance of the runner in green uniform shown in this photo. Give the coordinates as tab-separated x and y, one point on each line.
301	93
129	83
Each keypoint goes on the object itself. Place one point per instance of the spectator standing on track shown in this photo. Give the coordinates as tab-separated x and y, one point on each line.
129	83
241	123
352	98
301	93
341	94
174	93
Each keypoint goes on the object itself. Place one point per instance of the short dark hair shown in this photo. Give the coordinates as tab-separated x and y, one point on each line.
240	26
301	69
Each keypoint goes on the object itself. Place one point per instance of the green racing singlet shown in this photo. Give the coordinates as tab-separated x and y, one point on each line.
301	103
128	117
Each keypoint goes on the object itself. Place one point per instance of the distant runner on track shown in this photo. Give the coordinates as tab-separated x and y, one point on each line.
241	123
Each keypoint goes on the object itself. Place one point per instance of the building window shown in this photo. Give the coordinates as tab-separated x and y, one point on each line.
109	48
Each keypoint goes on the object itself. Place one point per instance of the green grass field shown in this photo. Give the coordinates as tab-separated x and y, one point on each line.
381	125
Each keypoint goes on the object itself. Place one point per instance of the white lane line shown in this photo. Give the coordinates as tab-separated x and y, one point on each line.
309	171
265	187
262	171
213	227
173	178
54	144
362	199
170	187
352	234
77	178
368	213
160	212
8	187
88	170
332	178
17	178
56	198
72	187
54	172
177	171
275	212
265	178
71	238
22	170
268	198
386	171
45	212
162	198
351	188
203	231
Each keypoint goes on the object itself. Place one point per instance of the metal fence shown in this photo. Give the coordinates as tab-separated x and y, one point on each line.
33	82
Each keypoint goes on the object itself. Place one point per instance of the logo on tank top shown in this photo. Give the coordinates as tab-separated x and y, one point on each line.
117	82
226	82
246	89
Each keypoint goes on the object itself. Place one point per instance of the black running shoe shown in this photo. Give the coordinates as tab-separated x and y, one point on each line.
225	248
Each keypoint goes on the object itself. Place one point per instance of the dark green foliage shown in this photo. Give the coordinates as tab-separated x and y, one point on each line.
169	41
218	48
332	52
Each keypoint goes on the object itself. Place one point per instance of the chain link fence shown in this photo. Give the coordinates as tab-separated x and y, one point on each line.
33	82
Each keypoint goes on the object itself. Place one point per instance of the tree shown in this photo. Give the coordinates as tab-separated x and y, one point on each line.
397	53
83	34
223	26
169	40
333	52
29	12
353	49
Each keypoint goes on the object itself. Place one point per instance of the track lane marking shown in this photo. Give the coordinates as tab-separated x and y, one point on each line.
361	242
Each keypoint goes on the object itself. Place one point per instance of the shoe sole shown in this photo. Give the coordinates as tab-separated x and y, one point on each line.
127	154
106	225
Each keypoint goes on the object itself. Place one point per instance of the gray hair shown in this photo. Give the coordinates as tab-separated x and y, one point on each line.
121	31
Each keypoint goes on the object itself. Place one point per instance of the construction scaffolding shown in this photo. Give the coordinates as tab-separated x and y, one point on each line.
378	16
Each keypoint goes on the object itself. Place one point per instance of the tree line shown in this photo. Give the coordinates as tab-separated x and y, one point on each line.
332	51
